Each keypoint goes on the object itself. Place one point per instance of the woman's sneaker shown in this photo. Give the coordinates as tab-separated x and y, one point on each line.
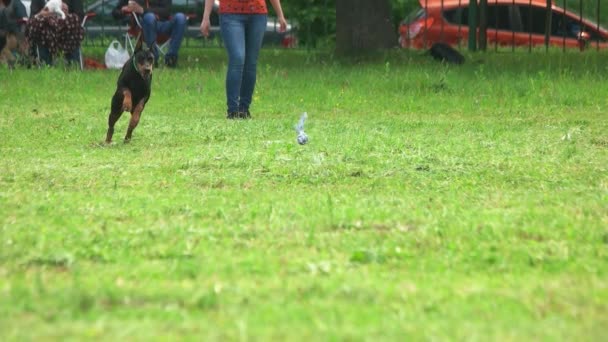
233	115
171	61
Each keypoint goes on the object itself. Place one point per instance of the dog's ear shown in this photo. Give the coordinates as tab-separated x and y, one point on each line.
139	44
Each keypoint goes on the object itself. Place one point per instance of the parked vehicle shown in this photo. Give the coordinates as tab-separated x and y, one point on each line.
509	23
104	24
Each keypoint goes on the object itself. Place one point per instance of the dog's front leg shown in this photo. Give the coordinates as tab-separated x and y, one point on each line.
127	102
135	115
115	113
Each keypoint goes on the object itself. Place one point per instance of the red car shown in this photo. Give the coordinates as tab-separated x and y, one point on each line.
510	23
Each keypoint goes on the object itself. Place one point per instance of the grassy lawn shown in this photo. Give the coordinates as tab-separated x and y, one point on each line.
432	202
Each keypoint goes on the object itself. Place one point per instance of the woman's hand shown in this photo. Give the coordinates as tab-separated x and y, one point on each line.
276	4
205	25
282	24
135	7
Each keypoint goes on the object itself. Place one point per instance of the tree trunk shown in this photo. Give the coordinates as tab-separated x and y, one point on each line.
363	25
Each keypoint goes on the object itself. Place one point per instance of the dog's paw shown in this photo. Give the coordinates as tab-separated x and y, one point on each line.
98	144
127	105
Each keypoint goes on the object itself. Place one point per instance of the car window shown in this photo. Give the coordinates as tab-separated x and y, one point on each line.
457	16
526	19
593	34
500	17
563	25
503	17
533	19
415	15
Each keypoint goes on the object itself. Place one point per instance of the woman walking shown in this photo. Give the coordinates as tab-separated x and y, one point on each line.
242	25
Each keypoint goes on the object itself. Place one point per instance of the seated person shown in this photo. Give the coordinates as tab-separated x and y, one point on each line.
156	19
11	11
52	35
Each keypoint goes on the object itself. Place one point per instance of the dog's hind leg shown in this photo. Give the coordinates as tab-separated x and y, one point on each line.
115	113
6	55
135	115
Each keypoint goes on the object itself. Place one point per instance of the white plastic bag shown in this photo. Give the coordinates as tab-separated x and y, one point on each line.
116	55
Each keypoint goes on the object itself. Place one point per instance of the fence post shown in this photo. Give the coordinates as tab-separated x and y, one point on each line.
548	17
598	24
473	25
483	24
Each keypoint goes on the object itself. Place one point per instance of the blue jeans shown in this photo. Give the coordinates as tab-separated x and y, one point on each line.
45	56
242	35
174	28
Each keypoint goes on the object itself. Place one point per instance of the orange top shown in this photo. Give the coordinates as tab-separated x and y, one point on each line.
243	6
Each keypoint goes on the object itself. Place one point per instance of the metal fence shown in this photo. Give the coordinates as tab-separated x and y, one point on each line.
502	24
507	24
102	26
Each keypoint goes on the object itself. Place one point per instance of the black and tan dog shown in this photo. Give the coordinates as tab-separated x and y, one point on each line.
132	91
15	44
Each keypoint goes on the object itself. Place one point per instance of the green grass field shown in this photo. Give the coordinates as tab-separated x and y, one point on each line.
432	202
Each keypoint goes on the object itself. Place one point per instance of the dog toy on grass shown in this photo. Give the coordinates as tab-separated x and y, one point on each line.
302	137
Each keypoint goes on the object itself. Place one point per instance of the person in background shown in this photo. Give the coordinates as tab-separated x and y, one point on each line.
51	36
242	25
156	19
11	11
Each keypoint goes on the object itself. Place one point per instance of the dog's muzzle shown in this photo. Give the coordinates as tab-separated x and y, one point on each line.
146	71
